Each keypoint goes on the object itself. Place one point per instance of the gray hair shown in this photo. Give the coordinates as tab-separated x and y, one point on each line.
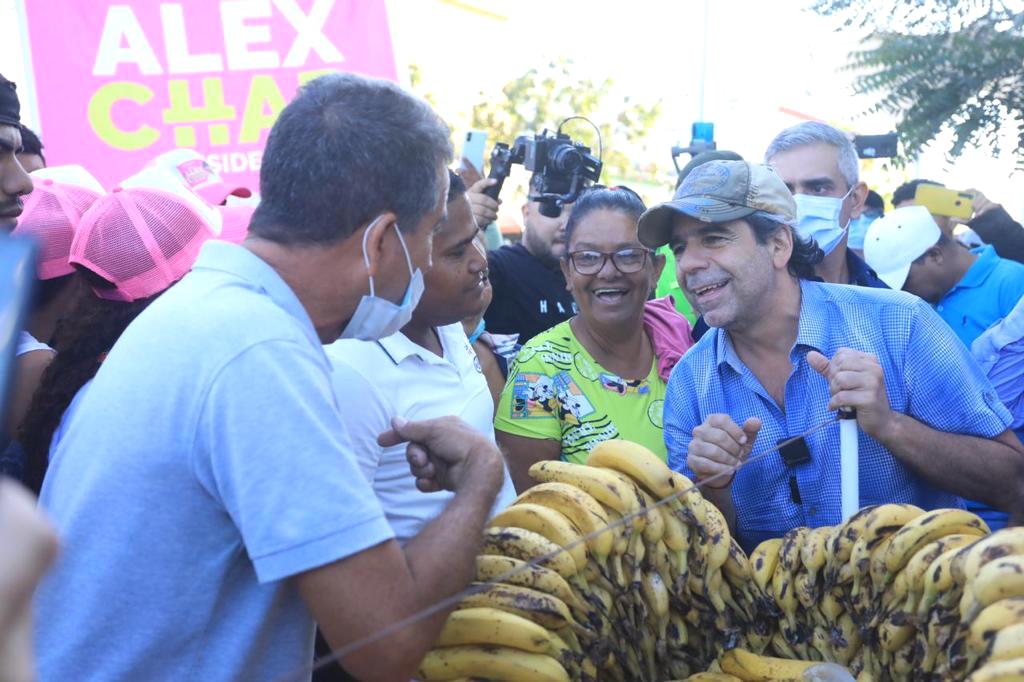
813	132
345	150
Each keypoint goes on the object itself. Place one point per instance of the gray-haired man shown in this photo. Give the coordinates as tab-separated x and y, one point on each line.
819	165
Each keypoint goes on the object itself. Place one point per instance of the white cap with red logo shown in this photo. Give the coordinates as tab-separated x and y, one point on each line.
199	176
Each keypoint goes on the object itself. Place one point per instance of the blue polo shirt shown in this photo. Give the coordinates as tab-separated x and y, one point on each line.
929	375
986	294
204	467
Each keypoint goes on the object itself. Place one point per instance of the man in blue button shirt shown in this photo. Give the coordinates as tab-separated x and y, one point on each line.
784	353
209	503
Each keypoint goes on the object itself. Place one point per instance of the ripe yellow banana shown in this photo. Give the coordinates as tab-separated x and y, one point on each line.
547	522
716	538
527	545
736	566
1006	542
580	508
491	568
991	620
997	580
491	662
1008	643
747	665
485	625
712	677
539	607
789	554
937	580
812	551
1000	671
763	561
653	521
872	523
640	464
913	574
596	482
928	527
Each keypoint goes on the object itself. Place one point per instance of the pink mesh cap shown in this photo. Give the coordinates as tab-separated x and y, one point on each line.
60	197
199	176
144	236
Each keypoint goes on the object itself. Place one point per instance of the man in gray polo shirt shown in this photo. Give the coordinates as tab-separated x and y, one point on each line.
206	491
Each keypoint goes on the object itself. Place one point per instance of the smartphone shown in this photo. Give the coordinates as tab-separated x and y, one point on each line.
947	202
17	276
473	149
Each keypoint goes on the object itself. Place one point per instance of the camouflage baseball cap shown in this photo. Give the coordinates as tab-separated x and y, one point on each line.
717	192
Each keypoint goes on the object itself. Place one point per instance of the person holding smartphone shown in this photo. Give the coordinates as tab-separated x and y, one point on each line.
990	220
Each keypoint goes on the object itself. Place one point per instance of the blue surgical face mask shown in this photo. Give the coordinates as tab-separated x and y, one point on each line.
376	317
480	328
858	229
818	219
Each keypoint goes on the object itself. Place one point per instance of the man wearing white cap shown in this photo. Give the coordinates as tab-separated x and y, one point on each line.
971	290
786	352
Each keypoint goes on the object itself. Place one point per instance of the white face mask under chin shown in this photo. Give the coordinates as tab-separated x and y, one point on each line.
376	317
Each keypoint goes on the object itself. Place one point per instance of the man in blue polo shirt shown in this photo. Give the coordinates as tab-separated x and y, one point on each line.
785	352
206	491
971	290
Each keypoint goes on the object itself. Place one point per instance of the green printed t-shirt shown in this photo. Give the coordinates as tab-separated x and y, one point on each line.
668	285
557	391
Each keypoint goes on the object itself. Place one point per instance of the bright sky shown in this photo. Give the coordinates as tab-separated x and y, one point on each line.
761	56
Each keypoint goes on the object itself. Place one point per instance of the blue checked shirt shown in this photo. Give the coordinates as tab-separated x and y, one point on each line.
929	375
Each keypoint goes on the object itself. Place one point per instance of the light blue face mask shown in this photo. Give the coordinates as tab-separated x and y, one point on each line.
376	317
858	230
818	219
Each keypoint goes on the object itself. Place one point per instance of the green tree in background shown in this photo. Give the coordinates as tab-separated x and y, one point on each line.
542	97
941	64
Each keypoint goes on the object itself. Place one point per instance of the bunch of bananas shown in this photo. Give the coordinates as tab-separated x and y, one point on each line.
898	593
585	577
624	589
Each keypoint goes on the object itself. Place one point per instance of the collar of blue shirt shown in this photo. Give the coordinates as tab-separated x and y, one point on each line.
810	332
861	273
982	268
240	262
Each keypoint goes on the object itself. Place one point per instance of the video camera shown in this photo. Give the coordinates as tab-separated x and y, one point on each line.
561	168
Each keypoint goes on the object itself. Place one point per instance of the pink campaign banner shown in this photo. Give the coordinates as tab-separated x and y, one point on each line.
118	82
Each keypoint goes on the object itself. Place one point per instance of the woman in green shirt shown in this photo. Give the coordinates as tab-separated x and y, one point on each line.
595	376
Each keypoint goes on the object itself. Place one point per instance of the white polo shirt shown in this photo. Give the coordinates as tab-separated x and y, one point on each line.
378	380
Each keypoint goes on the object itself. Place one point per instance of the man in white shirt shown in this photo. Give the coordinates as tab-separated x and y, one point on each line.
426	370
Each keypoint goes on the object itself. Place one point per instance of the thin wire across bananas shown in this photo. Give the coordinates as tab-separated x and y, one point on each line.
593	574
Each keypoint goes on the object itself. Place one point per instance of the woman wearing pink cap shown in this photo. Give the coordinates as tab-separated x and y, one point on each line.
130	246
52	212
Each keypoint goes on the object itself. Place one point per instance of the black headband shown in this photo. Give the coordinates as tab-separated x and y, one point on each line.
10	108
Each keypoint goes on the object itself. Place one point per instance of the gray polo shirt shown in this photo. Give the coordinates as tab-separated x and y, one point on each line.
204	466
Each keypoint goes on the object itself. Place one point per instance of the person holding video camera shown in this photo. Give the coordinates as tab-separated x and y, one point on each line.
530	294
990	220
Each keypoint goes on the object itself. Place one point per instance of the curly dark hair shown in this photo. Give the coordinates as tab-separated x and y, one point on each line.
806	253
84	335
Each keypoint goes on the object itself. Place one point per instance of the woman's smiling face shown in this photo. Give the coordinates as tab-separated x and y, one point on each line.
609	296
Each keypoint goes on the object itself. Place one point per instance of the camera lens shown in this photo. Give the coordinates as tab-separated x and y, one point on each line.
565	159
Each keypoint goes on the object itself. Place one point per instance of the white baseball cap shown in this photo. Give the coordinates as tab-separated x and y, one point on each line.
896	240
162	179
199	176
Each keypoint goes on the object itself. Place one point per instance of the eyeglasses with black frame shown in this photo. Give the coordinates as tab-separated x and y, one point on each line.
626	261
